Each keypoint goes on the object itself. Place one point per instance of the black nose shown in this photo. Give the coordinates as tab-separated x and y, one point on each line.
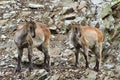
33	36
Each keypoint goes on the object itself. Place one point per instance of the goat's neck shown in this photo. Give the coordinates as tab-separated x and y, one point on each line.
24	34
73	38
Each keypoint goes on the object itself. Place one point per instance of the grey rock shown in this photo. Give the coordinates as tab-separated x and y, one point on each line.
4	2
93	23
84	11
82	4
11	66
53	28
40	74
106	11
67	53
54	1
55	77
67	22
67	10
109	66
106	78
25	13
7	73
2	63
93	10
2	74
9	15
96	2
3	37
71	16
37	57
34	5
89	75
79	19
109	24
118	57
6	15
3	22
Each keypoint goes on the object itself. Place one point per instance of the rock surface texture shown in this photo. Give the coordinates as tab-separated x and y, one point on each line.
58	16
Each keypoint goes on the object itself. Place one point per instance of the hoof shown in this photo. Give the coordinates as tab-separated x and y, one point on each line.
96	69
30	68
18	69
87	66
47	69
74	65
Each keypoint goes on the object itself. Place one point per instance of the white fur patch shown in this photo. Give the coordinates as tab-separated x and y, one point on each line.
37	42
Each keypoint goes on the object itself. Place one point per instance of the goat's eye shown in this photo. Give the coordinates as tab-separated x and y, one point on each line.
31	28
79	35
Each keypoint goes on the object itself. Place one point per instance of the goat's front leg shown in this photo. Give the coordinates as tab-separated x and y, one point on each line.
30	58
85	53
96	68
77	56
47	57
20	53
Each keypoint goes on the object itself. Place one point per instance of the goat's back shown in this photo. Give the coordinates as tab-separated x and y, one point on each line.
91	35
42	34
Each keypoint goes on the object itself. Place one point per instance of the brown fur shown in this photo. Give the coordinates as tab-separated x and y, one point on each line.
32	34
89	39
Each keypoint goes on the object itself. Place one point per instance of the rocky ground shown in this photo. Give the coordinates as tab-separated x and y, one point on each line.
58	15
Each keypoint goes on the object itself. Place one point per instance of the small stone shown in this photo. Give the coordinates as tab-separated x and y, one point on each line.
53	28
11	66
82	4
4	2
2	74
69	16
55	77
67	53
106	10
33	5
109	66
2	63
67	10
40	74
89	75
96	2
3	37
3	22
8	73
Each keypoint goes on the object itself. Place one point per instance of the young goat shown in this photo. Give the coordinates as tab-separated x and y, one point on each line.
32	34
88	38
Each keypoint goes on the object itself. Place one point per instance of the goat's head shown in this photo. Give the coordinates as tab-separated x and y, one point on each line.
76	29
77	32
31	28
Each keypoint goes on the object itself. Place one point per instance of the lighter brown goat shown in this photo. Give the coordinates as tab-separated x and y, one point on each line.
32	34
87	38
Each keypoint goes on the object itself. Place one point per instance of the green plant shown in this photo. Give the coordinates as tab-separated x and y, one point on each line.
115	0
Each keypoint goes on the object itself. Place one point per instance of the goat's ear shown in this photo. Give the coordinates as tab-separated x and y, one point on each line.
76	30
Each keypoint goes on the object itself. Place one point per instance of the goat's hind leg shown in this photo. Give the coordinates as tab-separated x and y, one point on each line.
47	57
96	68
30	58
98	57
20	53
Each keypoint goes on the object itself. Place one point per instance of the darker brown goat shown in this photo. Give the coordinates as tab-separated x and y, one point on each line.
32	34
87	39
